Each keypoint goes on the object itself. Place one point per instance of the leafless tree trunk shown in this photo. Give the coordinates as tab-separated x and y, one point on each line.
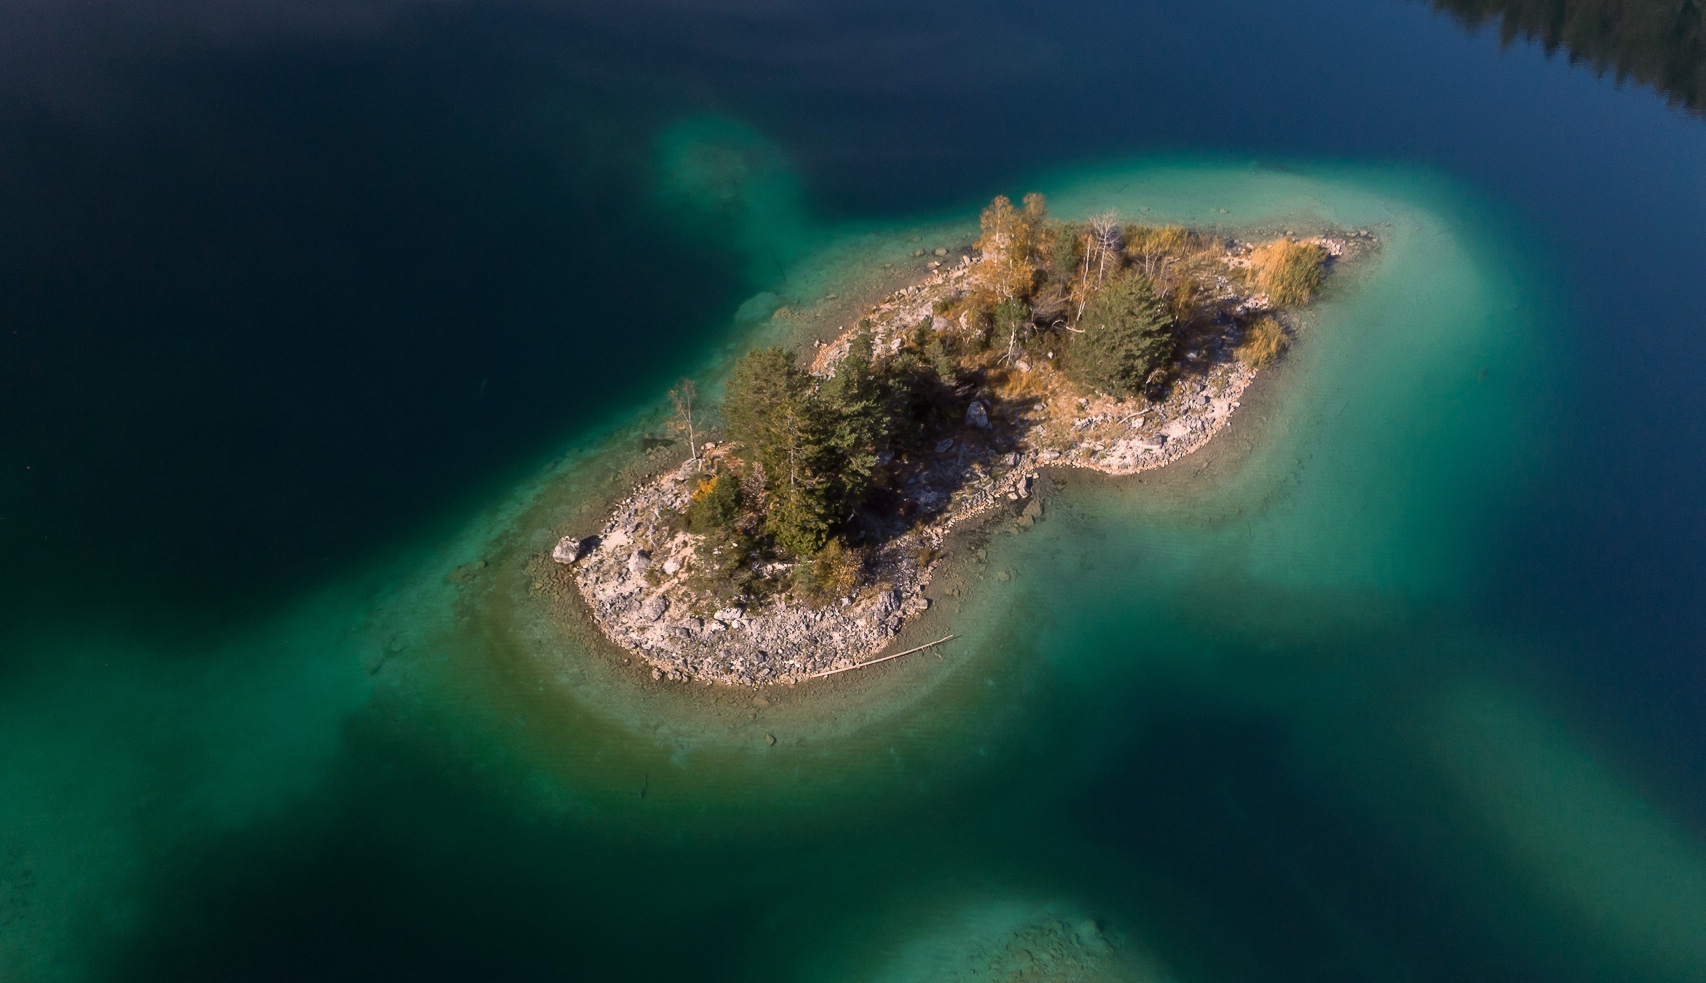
685	396
1105	237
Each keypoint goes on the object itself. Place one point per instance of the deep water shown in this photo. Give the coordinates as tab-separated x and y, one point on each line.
301	308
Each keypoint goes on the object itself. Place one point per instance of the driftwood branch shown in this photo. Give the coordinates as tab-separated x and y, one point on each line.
861	665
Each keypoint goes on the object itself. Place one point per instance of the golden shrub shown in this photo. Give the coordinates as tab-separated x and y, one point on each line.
1263	342
1289	271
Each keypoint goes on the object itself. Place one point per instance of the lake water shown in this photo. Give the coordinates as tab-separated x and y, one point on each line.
303	307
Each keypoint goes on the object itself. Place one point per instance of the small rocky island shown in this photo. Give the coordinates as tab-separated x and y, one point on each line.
797	543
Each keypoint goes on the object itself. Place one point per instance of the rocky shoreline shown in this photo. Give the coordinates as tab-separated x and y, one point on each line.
633	572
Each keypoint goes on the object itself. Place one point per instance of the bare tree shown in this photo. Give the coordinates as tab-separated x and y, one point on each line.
1101	247
685	398
1105	241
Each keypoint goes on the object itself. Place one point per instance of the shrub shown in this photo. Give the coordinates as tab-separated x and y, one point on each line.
715	506
832	572
1262	343
1289	271
1147	245
1065	252
1124	335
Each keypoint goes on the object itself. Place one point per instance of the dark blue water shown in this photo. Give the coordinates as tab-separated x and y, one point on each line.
286	291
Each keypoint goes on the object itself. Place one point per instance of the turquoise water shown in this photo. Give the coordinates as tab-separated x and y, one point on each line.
1394	681
1276	640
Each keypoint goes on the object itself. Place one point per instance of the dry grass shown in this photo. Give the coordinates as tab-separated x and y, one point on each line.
1289	271
1262	343
1147	243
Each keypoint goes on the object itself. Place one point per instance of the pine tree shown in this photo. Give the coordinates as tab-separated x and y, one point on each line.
775	412
860	424
1124	335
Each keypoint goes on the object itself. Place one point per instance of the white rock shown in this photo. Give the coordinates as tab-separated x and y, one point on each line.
671	566
639	562
654	607
567	550
729	614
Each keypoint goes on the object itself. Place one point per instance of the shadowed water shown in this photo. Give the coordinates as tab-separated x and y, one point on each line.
1387	683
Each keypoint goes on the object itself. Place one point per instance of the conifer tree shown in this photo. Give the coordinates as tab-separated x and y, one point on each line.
860	426
775	412
1125	334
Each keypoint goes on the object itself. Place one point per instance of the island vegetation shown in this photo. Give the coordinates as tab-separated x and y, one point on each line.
799	539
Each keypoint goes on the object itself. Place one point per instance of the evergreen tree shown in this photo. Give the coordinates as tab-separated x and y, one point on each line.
775	412
859	421
1124	335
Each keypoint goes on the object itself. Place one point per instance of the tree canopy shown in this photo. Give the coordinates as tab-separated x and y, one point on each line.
1124	335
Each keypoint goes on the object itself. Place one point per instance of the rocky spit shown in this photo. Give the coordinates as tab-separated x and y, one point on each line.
634	572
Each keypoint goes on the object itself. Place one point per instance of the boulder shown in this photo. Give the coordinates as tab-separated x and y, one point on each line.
727	615
671	566
568	550
638	563
977	415
654	607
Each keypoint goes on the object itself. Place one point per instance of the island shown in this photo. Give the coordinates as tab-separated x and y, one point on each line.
796	543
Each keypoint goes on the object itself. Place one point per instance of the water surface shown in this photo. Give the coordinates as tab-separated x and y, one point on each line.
302	311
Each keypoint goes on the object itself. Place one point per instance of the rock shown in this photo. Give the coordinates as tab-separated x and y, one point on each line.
977	415
568	550
1176	429
671	566
638	563
941	251
1034	508
727	615
758	307
654	607
656	673
944	445
917	252
1024	488
466	572
770	739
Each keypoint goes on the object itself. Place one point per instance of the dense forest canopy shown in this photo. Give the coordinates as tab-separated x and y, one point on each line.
1660	43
